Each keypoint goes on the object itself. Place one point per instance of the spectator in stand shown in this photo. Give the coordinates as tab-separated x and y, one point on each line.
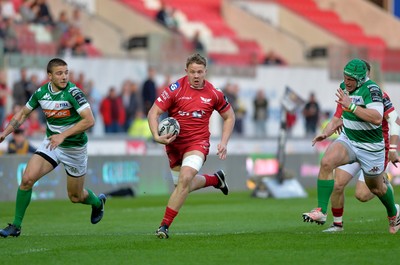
197	43
311	113
130	100
139	128
23	88
7	9
82	81
113	112
15	109
61	25
68	41
4	92
260	117
26	11
43	14
19	145
94	98
10	37
231	91
76	19
163	15
149	90
272	59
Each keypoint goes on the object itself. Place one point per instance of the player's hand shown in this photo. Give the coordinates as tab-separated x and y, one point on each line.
319	138
2	138
221	151
165	139
393	157
343	98
55	140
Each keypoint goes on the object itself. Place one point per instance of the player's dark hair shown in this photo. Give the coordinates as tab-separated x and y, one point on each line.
197	59
55	62
367	64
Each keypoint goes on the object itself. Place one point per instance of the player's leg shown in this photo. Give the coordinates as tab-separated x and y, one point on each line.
217	180
372	162
363	194
191	164
37	167
337	154
75	164
343	175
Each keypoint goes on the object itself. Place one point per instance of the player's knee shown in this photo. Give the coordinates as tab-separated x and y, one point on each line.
26	184
338	187
326	164
378	192
362	197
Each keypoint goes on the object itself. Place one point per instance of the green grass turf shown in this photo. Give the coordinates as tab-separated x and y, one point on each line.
210	229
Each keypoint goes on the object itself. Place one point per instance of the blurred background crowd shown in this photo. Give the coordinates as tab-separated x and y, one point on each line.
237	37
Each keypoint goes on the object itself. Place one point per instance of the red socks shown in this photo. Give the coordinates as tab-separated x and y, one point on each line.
168	216
211	180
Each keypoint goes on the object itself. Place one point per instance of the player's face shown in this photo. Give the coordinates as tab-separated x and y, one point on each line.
59	77
350	83
196	74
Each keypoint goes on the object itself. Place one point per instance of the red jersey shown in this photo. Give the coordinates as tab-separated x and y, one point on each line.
387	108
192	108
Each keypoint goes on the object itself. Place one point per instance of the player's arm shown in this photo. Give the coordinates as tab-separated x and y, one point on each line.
83	125
153	117
17	120
333	125
227	128
394	131
373	114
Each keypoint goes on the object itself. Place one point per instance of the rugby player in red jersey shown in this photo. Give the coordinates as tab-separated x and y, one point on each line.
191	100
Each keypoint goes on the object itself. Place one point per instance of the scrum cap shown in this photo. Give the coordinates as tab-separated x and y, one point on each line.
356	69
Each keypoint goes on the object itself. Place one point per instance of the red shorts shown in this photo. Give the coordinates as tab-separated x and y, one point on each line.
175	152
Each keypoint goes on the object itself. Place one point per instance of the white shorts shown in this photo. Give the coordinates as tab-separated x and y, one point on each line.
372	163
74	159
353	169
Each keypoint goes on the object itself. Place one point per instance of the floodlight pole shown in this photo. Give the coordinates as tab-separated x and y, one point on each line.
281	155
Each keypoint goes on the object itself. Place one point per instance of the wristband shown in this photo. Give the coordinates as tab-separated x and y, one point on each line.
352	107
392	150
393	146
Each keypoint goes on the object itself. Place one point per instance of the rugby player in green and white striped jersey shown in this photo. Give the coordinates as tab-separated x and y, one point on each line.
361	141
68	116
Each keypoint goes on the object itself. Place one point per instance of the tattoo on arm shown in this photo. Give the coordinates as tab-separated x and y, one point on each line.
14	123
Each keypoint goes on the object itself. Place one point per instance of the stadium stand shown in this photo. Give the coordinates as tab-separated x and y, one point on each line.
222	43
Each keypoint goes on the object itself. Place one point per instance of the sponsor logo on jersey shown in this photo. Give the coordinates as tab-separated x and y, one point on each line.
185	98
164	95
62	105
46	96
198	113
57	113
205	100
174	86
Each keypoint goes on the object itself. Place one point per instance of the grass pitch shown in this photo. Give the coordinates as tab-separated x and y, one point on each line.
210	229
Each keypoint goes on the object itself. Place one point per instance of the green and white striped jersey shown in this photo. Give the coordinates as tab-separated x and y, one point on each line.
61	110
362	134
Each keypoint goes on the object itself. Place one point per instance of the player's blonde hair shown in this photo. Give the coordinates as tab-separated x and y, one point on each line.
196	58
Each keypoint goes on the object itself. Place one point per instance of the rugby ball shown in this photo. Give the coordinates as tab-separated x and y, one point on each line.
169	125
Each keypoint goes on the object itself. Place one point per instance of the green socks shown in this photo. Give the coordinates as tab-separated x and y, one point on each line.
92	199
388	201
325	188
23	200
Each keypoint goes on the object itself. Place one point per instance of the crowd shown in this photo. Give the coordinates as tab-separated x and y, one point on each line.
64	30
125	106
